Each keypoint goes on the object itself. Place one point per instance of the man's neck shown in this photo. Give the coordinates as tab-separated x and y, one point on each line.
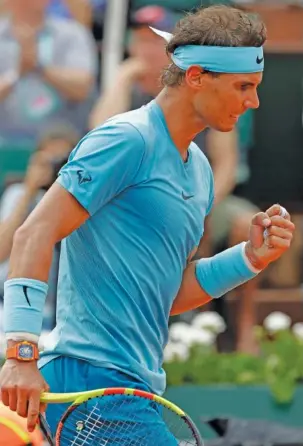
181	120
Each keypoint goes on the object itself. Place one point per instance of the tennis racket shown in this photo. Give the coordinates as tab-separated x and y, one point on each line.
119	417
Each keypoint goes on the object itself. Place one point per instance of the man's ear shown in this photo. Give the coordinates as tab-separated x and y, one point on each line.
194	77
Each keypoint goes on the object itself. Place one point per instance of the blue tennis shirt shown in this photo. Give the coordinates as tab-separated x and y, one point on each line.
120	271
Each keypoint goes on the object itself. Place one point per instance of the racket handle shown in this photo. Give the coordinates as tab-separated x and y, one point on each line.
46	430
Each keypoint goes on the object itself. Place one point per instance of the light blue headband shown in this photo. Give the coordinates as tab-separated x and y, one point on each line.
217	59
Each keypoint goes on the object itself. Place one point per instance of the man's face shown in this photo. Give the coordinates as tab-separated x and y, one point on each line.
220	100
150	48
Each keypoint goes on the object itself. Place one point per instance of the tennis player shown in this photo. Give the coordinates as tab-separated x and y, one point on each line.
129	207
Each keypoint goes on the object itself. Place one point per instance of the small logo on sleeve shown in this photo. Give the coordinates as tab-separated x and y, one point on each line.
83	177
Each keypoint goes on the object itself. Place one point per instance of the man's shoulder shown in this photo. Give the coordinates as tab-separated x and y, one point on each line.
121	131
136	122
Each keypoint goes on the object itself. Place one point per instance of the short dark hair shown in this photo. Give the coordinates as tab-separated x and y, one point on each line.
213	26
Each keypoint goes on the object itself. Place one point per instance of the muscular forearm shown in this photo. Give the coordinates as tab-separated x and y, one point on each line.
117	99
80	10
190	295
10	226
215	276
56	216
32	252
74	85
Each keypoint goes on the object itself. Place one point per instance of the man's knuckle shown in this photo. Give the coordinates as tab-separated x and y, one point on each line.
12	388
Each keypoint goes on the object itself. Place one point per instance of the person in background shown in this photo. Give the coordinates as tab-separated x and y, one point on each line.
47	73
137	78
137	83
19	199
79	10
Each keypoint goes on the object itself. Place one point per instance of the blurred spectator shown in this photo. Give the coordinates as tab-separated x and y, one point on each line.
3	7
181	5
13	430
47	72
137	80
79	10
20	199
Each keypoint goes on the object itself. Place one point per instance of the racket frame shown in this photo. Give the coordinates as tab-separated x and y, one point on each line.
77	398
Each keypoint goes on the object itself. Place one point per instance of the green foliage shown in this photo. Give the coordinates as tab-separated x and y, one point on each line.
279	365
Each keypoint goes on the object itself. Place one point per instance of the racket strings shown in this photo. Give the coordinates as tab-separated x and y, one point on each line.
124	421
92	428
96	426
92	424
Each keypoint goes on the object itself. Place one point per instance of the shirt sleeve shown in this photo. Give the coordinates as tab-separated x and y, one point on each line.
104	164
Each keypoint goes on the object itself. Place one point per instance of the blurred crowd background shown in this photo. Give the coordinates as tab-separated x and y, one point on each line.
68	65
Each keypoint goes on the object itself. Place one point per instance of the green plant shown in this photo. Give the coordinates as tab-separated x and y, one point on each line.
278	365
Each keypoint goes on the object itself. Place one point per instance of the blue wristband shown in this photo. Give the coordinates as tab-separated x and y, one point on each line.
225	271
24	301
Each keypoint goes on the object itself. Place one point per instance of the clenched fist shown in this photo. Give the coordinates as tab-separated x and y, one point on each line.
270	235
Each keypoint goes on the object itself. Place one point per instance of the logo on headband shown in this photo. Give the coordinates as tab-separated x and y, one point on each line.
259	60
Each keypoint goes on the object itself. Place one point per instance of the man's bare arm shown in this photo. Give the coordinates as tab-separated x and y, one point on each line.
190	295
55	217
236	265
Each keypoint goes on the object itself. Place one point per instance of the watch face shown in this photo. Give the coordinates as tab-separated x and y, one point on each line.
26	351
